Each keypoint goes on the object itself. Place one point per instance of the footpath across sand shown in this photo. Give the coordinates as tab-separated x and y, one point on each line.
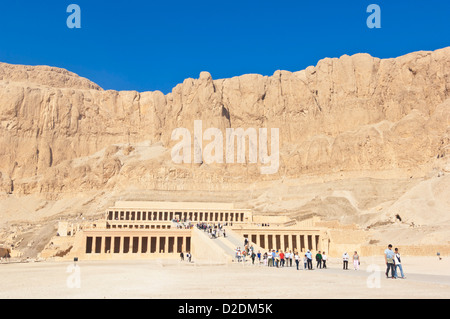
427	277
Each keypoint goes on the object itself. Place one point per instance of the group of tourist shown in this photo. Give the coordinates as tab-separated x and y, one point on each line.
184	226
355	259
213	230
393	262
188	256
280	258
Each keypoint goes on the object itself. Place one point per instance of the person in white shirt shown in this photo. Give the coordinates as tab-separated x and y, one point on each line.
297	259
356	261
324	260
287	257
305	262
345	258
398	264
292	258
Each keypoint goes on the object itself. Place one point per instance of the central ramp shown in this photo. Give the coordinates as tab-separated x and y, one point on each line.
218	250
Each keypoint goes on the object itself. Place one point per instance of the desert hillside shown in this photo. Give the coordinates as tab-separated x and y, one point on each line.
362	140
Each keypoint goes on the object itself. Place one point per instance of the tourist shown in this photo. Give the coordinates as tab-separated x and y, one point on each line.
269	259
182	256
265	258
319	259
287	257
398	264
356	261
390	262
277	259
292	257
281	259
188	255
324	260
259	256
305	262
345	258
253	255
309	260
274	258
297	259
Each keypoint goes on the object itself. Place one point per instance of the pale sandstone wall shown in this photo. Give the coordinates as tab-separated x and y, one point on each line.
408	250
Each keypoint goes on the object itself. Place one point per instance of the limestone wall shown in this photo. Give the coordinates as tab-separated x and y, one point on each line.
410	250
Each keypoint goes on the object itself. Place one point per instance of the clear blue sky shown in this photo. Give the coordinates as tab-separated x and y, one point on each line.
154	45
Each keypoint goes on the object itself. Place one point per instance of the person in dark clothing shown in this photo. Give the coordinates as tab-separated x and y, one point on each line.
319	260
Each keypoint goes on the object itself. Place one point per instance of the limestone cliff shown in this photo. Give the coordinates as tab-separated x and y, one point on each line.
62	133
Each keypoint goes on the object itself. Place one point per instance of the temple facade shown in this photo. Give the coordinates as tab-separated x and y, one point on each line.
141	230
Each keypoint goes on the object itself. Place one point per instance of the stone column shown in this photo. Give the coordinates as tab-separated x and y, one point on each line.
290	243
103	245
94	244
166	245
121	244
140	244
157	245
84	242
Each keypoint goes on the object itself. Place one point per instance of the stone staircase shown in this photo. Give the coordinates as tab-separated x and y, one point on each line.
228	244
220	243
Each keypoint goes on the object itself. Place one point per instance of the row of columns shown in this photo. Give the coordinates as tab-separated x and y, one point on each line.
294	242
136	226
168	216
162	244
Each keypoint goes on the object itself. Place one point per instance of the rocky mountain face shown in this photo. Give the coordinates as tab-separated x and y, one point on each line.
61	133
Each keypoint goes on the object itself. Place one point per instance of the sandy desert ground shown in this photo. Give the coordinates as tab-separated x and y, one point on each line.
427	277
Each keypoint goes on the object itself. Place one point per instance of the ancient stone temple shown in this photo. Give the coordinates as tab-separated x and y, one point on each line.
146	230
